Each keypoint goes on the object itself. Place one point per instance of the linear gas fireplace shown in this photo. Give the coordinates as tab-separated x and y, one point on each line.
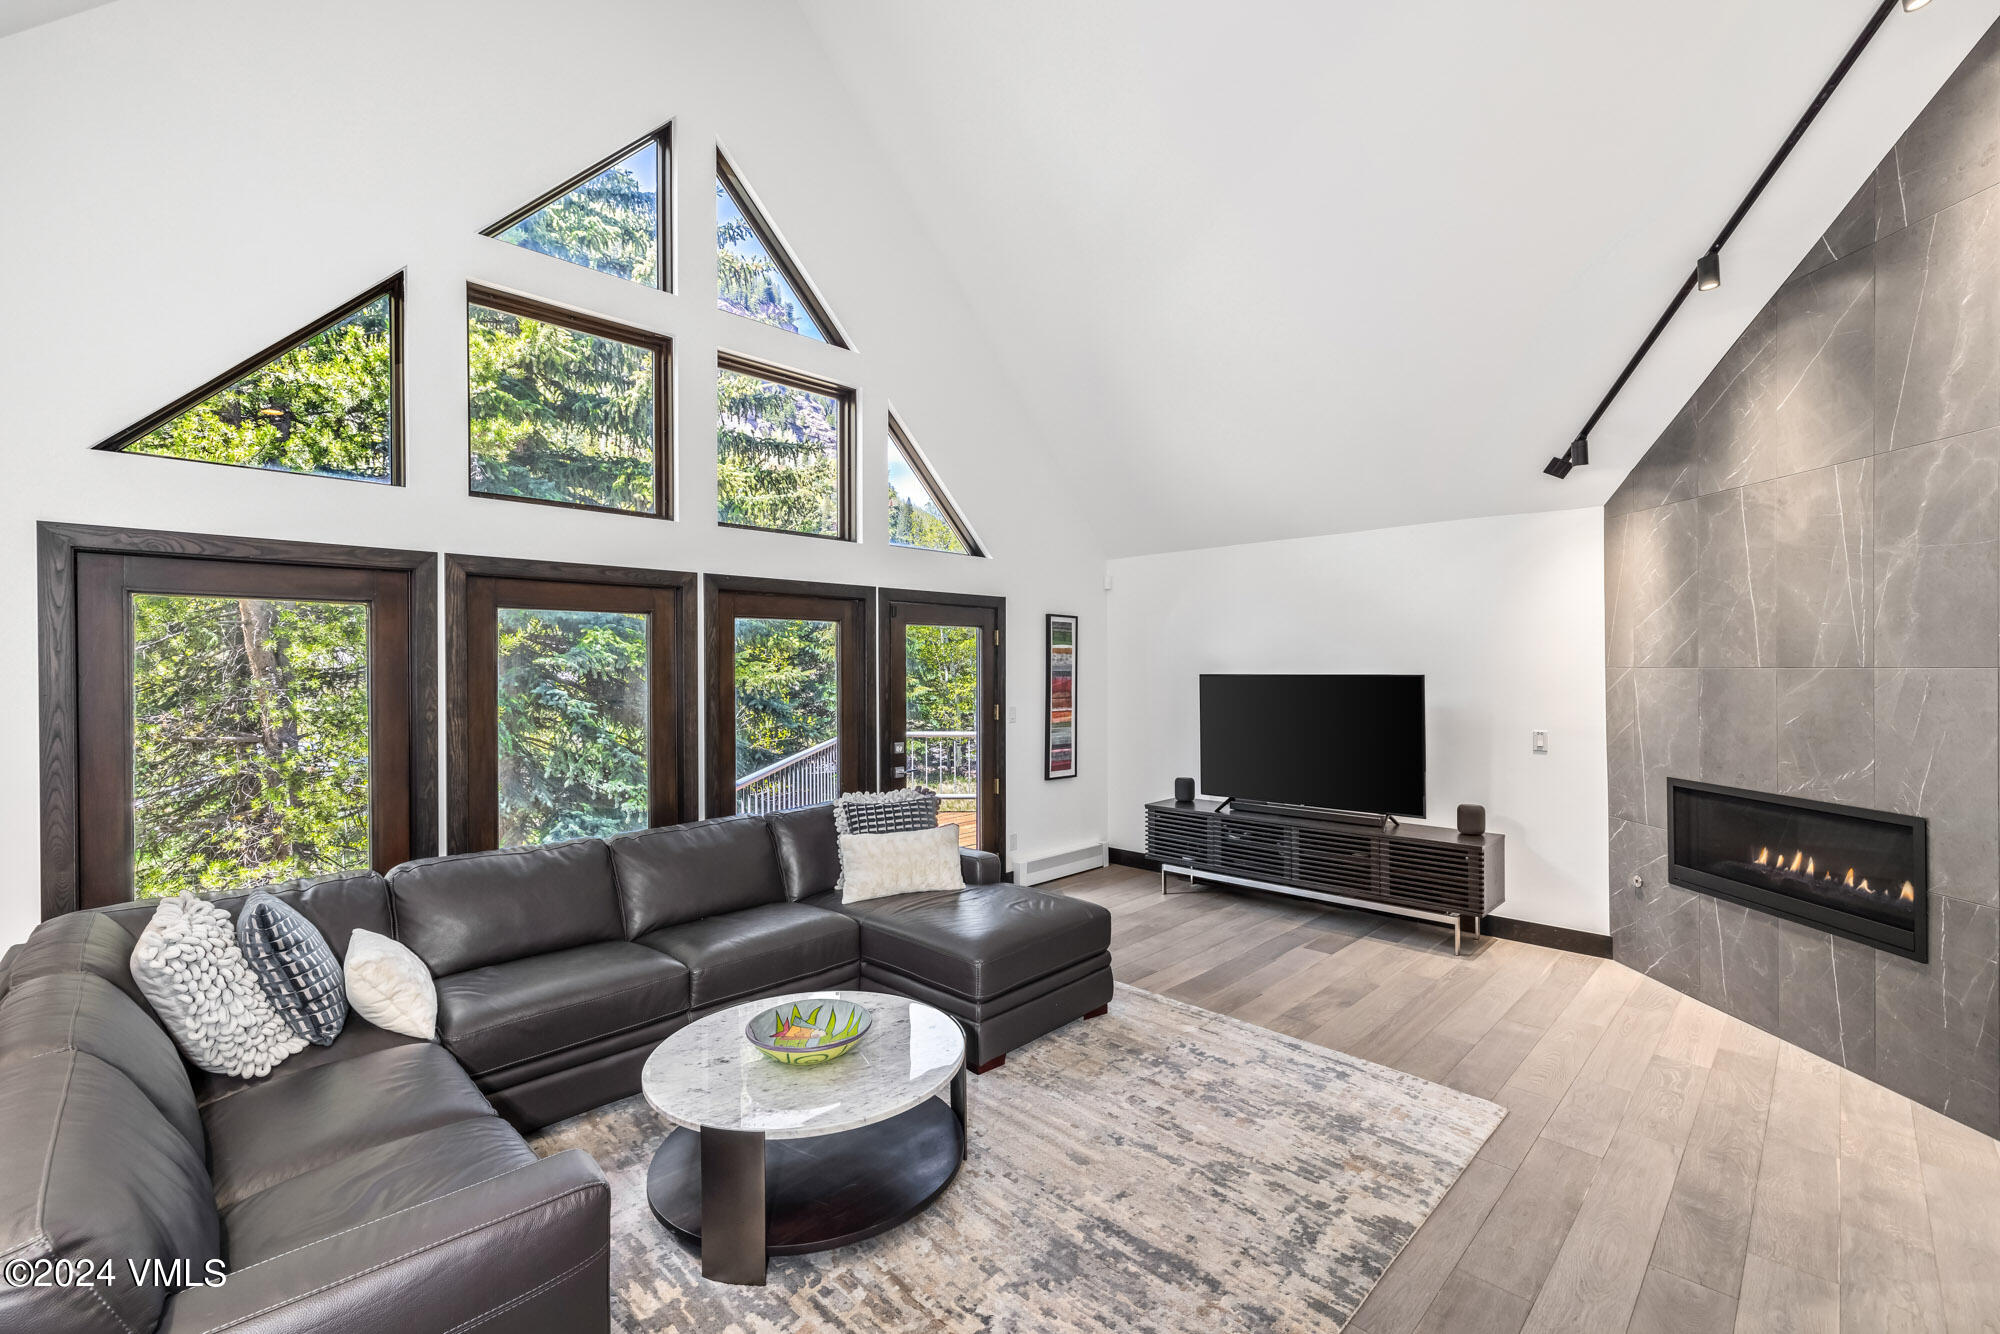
1857	873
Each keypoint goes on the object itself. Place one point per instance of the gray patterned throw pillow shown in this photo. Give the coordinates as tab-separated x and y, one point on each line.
294	966
886	812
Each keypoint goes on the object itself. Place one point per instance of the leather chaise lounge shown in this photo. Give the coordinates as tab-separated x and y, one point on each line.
382	1183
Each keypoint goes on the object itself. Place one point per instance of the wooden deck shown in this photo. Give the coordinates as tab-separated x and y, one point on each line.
1663	1168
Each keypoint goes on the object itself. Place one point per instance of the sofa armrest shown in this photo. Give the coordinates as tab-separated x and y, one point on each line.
527	1250
978	868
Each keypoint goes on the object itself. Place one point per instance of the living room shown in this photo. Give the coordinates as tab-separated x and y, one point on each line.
1311	668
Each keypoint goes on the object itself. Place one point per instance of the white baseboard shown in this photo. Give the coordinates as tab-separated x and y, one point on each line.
1054	866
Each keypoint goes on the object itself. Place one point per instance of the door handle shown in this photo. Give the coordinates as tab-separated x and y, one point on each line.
899	772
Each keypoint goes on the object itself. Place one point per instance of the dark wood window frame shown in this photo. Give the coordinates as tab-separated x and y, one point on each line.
663	222
392	288
660	345
472	782
845	462
993	705
65	769
921	466
723	597
753	213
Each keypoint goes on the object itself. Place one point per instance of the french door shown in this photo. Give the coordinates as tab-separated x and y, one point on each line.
791	719
237	720
944	707
571	701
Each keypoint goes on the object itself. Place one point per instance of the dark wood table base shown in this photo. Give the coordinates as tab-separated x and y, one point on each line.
736	1198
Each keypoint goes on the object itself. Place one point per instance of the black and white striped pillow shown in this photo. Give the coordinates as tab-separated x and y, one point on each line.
894	812
295	968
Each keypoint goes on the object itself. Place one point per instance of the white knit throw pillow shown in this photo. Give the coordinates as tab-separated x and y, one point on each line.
874	866
388	985
189	966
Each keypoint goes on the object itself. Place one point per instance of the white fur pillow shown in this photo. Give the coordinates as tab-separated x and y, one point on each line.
388	985
190	968
874	866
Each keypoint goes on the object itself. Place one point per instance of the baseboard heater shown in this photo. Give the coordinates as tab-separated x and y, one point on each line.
1054	866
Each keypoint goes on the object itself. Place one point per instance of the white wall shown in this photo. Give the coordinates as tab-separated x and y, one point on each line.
187	180
1503	616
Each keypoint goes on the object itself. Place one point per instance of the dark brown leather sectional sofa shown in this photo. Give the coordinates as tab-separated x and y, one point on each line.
382	1183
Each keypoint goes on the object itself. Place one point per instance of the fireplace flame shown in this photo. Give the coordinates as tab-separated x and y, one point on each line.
1909	894
1764	857
1801	863
1797	857
1849	882
1864	887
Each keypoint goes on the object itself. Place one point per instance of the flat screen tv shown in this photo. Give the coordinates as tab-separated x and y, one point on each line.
1345	743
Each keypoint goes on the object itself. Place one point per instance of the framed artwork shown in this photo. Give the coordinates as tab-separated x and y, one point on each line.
1061	648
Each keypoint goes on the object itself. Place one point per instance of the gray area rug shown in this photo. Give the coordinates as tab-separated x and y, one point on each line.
1161	1168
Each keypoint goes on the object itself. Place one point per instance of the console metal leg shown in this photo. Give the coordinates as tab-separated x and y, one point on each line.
1457	938
732	1206
958	1110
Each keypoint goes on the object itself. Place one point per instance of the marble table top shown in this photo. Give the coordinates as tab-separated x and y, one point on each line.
708	1074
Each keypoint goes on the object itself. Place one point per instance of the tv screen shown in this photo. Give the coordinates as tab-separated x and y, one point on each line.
1348	743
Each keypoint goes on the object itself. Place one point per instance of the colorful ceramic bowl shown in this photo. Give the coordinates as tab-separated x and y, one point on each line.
808	1032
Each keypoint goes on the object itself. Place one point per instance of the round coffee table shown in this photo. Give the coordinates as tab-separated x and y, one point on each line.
790	1159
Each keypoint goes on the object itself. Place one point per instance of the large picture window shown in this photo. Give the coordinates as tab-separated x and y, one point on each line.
783	451
571	701
219	712
565	409
790	717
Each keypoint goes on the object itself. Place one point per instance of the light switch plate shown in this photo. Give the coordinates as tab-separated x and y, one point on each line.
1541	740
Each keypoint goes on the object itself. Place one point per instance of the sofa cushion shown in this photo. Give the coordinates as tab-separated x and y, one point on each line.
510	1012
808	856
479	908
290	1124
83	1012
684	872
979	942
371	1184
93	1172
79	942
335	905
357	1038
757	949
299	974
199	984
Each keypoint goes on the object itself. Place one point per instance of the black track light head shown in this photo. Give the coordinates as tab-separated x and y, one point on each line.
1912	6
1579	451
1708	272
1559	466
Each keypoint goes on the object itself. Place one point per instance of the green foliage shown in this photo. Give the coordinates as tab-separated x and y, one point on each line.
777	455
573	724
323	407
559	415
941	663
915	525
250	740
609	223
787	689
748	282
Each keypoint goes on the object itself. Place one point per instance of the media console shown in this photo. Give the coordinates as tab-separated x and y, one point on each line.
1421	871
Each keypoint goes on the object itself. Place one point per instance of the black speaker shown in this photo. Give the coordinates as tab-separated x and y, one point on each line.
1472	821
1184	789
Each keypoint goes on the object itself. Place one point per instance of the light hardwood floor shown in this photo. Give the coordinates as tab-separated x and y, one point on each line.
1663	1167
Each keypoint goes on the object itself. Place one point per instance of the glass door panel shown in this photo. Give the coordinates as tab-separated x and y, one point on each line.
941	715
574	726
250	741
787	713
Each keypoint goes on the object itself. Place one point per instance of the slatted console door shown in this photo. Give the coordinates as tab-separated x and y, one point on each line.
1420	870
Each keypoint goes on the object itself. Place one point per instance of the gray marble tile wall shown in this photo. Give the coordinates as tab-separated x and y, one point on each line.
1802	584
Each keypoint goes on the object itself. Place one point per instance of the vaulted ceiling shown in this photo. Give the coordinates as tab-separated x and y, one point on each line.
1269	270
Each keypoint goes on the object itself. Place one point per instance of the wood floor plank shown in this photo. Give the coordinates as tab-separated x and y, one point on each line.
1555	1061
1466	1306
1706	1232
1588	1116
1670	1304
1634	1035
1805	1101
1518	1242
1663	1107
1494	1059
1888	1283
1406	1291
1693	1034
1595	1280
1961	1170
1778	1299
1545	1002
1527	1113
1795	1220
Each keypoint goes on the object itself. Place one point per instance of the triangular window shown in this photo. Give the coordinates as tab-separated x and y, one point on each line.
755	278
919	515
608	218
326	400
